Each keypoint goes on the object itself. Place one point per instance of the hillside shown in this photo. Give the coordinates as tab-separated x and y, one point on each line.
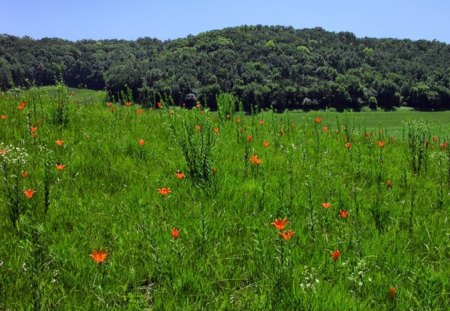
266	66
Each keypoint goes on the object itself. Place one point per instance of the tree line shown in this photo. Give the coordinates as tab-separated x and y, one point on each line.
264	66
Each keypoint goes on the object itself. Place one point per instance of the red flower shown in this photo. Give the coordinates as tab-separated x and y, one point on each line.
255	160
388	184
280	224
287	235
29	193
159	105
139	111
318	120
60	167
59	142
444	145
99	256
21	106
249	138
175	233
380	143
326	205
392	292
336	254
266	144
180	175
141	142
164	191
24	174
348	145
343	213
33	129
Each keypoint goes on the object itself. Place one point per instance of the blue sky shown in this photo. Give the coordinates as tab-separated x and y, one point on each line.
170	19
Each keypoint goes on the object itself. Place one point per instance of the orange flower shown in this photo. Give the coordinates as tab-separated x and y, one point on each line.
198	105
343	213
59	142
216	130
444	145
198	127
33	129
3	151
164	191
21	106
287	235
348	145
180	175
175	233
261	122
392	292
326	205
60	167
318	120
255	160
238	120
24	174
380	143
249	138
128	104
139	111
325	129
29	193
214	171
389	184
336	254
141	142
4	117
266	144
280	224
99	256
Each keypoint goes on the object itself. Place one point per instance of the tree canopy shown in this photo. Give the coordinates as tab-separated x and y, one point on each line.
268	66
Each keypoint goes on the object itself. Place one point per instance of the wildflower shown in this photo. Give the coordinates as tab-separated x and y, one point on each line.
249	138
33	129
238	120
29	193
139	111
336	254
21	106
255	160
164	191
318	120
108	104
287	235
392	292
444	145
214	171
59	167
348	145
228	117
175	233
59	142
261	122
380	143
325	129
3	151
326	205
128	104
343	213
198	127
99	256
198	106
388	184
180	175
4	117
280	224
141	142
159	105
216	130
24	174
266	144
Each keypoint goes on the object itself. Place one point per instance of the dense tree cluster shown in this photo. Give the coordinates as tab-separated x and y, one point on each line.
265	66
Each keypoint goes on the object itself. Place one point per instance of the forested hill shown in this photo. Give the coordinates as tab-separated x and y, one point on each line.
276	65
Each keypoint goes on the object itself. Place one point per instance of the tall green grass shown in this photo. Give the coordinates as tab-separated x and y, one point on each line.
228	255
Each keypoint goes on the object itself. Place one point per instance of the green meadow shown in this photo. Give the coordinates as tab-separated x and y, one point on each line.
200	210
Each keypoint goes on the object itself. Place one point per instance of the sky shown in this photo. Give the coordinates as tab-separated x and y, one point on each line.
171	19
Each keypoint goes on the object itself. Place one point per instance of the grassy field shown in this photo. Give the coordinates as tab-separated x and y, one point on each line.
196	211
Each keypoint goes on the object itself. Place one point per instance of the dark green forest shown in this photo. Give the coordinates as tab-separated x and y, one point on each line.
264	66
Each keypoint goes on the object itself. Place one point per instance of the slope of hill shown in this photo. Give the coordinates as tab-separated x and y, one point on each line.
266	66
